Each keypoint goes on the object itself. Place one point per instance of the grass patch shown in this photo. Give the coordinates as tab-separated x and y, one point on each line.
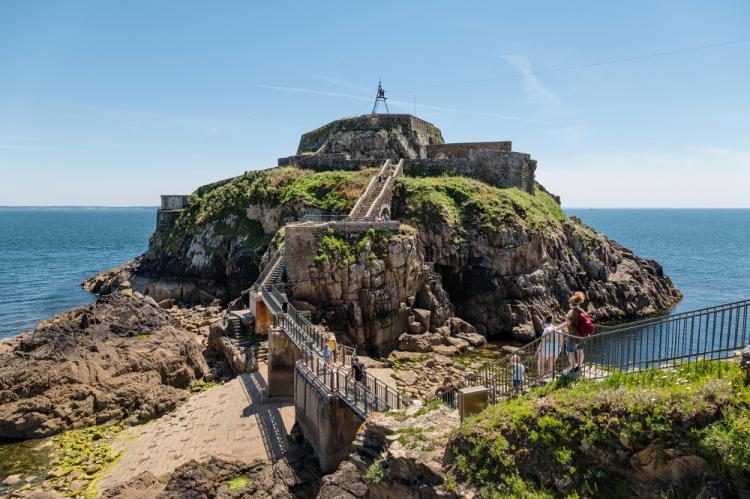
239	483
374	473
460	202
84	455
225	203
705	405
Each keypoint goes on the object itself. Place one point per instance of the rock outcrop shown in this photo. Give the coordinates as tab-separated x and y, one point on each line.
372	287
122	357
509	259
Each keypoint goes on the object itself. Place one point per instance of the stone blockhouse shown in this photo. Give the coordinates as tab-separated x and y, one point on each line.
171	208
368	140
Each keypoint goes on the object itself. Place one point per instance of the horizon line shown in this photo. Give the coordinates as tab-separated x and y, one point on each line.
563	207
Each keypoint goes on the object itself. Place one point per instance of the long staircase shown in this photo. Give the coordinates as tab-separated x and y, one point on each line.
380	186
656	343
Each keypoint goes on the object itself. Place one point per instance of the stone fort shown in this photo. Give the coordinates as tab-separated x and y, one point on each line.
368	140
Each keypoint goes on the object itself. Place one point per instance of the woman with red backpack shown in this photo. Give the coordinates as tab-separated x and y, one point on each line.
578	324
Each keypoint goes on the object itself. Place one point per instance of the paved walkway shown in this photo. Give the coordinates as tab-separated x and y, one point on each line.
226	421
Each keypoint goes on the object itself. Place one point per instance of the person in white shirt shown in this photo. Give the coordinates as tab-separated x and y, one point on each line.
549	347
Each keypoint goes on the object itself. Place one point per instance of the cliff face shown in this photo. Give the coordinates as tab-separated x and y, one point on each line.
215	248
506	258
373	287
509	258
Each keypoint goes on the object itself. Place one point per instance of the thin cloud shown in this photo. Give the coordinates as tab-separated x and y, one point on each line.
404	104
346	84
533	87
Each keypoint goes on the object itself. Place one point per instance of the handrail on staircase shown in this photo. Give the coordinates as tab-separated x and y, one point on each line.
374	180
365	397
385	190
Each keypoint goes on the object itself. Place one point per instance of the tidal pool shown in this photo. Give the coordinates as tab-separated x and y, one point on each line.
30	458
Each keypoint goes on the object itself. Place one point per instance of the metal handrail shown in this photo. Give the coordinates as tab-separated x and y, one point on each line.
710	333
273	261
369	396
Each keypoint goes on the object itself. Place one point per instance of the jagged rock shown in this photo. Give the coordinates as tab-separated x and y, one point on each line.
122	357
240	357
505	281
369	302
423	317
297	475
419	342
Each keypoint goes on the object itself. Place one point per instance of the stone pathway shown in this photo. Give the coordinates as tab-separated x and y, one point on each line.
228	421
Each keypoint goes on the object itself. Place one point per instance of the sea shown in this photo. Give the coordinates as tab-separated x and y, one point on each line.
45	253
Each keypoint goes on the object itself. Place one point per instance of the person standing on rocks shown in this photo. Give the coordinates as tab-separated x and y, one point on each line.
578	324
444	389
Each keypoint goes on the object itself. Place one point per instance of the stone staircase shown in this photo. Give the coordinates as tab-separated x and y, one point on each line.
379	186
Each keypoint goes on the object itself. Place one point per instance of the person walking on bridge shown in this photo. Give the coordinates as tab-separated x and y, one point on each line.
329	350
578	324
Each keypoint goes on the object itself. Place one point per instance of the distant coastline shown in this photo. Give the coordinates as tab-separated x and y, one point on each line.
75	207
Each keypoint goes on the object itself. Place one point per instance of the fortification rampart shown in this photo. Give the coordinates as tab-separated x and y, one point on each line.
464	149
367	141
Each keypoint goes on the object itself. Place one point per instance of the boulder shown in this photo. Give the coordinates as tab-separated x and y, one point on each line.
122	357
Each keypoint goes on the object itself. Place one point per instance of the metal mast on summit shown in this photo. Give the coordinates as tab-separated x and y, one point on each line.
380	97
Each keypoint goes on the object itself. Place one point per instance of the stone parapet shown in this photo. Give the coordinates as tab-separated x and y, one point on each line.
165	219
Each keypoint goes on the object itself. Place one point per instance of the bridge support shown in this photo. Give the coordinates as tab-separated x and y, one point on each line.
327	423
263	317
283	354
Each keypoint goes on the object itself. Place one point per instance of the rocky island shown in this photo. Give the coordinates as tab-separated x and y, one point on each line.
415	253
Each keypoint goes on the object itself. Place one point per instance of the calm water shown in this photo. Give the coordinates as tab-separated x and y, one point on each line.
705	252
45	254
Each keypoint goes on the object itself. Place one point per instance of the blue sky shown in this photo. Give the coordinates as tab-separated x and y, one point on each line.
114	103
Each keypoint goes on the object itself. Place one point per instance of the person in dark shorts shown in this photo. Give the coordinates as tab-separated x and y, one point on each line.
358	368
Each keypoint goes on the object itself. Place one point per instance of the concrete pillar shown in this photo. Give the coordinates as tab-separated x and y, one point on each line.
327	423
263	317
283	354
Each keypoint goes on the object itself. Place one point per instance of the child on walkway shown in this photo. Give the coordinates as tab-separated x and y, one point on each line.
519	371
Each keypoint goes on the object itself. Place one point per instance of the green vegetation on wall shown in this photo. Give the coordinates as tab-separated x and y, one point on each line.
343	249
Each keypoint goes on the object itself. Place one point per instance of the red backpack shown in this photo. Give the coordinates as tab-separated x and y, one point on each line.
585	324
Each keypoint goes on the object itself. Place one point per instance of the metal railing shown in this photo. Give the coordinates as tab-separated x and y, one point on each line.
364	397
657	343
273	262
